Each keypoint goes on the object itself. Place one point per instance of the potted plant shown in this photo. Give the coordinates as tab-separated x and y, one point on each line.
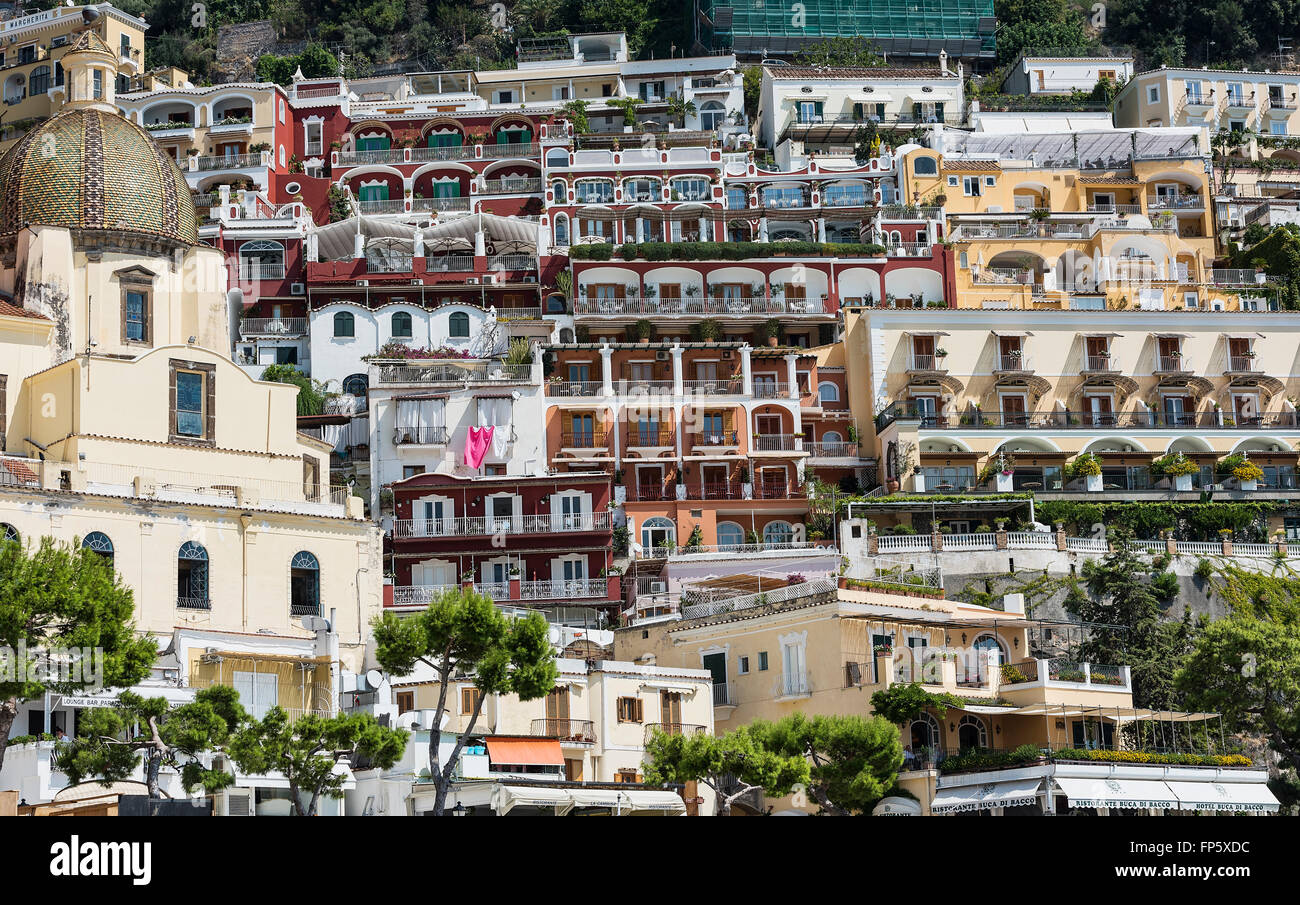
644	330
1177	467
772	330
747	488
1088	467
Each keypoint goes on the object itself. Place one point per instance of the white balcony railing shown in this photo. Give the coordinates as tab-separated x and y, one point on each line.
489	525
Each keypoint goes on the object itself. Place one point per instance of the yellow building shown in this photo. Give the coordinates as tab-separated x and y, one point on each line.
123	425
950	395
1108	219
827	650
31	59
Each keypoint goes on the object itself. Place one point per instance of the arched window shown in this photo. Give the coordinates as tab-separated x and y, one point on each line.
978	669
357	385
832	437
730	536
561	230
304	585
566	335
971	733
261	260
777	533
656	531
192	577
711	115
40	80
925	166
99	542
828	392
401	323
560	190
345	324
557	157
10	533
925	735
555	304
458	325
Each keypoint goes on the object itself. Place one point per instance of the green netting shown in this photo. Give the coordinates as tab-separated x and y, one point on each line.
902	25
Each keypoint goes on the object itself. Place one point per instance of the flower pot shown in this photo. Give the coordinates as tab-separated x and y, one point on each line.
891	487
1093	483
772	341
918	483
1183	482
1002	483
1249	485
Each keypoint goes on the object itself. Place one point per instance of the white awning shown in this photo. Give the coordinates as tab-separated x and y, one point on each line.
988	795
1224	796
665	685
629	801
509	797
1117	793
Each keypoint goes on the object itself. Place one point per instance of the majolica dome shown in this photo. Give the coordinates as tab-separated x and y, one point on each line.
87	169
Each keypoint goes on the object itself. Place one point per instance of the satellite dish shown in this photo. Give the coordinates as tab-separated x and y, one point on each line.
374	678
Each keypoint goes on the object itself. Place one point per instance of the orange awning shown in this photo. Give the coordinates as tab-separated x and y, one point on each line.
526	751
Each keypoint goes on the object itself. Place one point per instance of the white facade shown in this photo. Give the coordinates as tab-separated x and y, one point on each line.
1063	75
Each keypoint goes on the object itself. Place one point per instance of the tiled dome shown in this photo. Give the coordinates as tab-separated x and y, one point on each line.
87	169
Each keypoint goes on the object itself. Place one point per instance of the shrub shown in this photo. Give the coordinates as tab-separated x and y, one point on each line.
1204	570
1173	466
1153	757
1012	676
1085	465
990	760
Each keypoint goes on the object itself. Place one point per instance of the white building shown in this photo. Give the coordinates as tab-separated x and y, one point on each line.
1034	75
803	111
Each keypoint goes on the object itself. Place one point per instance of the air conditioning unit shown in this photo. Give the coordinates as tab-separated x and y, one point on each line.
661	355
233	803
995	209
297	288
658	587
363	282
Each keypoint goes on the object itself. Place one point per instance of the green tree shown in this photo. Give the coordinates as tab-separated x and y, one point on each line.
462	634
1123	596
732	765
105	748
840	52
679	108
59	596
899	704
854	760
311	393
307	750
628	105
1247	668
576	113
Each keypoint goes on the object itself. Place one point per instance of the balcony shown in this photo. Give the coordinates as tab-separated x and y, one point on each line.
430	205
1098	364
707	440
922	361
426	155
1112	208
1013	363
791	686
596	438
1242	364
675	729
1170	363
564	589
1064	673
512	262
651	306
776	490
459	373
510	149
1276	102
420	436
230	162
1085	421
1175	202
777	443
908	250
569	732
193	603
251	270
449	263
650	436
407	529
834	449
653	493
391	262
382	206
272	326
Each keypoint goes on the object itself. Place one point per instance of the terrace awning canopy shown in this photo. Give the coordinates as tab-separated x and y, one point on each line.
336	241
1223	796
531	752
1117	793
627	802
986	796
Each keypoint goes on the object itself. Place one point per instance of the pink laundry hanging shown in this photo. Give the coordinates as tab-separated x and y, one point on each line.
477	442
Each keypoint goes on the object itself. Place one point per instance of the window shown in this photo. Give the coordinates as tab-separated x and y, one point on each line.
345	324
9	533
712	115
655	531
925	166
193	403
40	81
970	186
469	697
777	533
401	324
356	385
744	666
1153	94
730	536
410	471
100	543
405	701
258	691
192	577
98	83
762	661
828	392
630	710
136	318
458	325
304	585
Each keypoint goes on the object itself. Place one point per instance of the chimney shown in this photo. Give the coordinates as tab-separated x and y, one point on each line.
943	61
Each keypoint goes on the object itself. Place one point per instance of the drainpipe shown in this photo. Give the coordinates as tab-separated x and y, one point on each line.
244	519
